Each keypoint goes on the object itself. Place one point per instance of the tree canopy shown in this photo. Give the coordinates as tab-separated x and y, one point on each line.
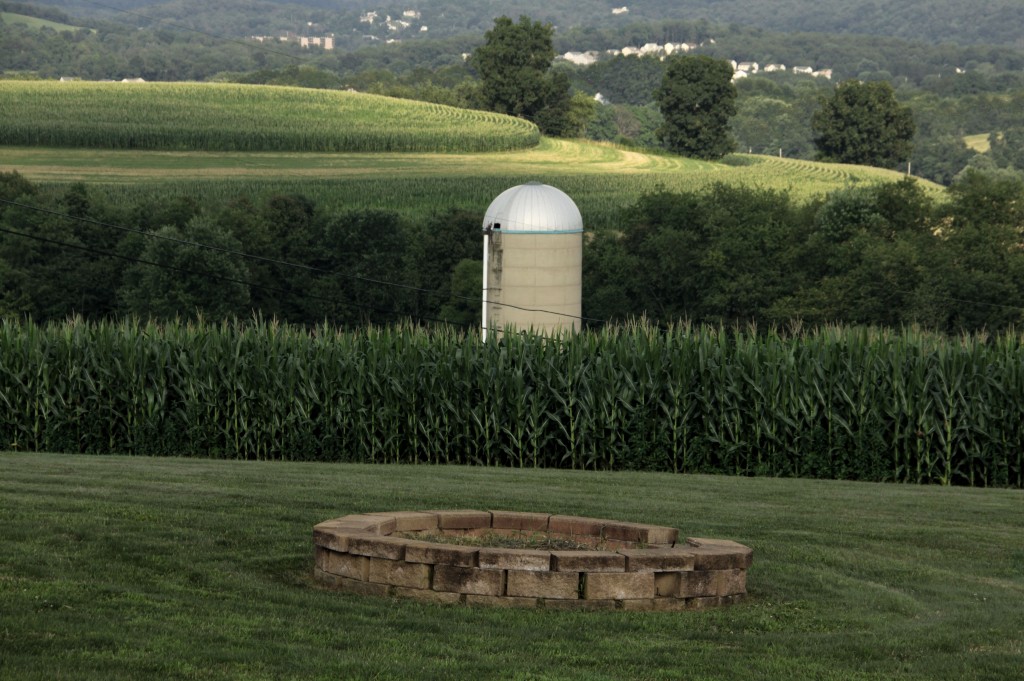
697	99
863	123
515	73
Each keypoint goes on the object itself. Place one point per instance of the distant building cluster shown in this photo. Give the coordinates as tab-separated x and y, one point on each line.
740	69
747	68
325	42
408	18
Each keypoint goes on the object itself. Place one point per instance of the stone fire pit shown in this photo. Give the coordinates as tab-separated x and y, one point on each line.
626	565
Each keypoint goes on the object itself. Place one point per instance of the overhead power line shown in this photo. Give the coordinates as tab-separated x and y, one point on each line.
284	263
219	277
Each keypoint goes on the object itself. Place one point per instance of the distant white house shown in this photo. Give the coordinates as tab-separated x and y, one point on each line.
581	58
671	48
740	69
326	41
411	14
620	10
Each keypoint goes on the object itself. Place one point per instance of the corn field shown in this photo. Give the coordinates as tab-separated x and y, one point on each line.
223	117
844	403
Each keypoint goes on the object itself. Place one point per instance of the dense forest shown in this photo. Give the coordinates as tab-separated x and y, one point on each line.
886	255
996	22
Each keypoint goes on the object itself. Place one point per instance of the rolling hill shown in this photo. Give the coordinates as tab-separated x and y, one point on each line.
217	141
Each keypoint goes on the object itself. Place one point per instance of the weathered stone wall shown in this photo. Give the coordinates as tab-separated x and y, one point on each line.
633	566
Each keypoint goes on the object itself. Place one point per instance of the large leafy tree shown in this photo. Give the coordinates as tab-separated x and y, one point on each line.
697	99
863	123
514	66
173	278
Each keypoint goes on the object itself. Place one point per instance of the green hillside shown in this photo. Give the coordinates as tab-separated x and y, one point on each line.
35	22
228	117
218	141
601	178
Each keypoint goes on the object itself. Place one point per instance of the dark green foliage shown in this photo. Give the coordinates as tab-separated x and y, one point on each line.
1007	148
697	99
863	123
463	308
177	279
361	252
623	80
624	124
886	254
514	66
773	126
836	402
939	159
714	256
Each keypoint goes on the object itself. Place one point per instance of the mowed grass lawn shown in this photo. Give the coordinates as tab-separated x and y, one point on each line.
119	567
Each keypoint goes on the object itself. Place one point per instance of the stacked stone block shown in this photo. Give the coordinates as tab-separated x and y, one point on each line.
632	566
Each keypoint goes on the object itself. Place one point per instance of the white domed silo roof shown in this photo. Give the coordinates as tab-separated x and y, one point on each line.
534	208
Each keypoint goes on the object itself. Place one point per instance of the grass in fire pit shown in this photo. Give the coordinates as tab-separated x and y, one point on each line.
495	540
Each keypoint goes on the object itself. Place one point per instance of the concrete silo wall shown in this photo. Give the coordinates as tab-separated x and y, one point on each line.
540	272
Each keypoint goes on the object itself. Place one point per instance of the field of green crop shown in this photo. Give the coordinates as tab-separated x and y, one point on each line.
227	117
980	143
602	179
847	403
216	142
35	22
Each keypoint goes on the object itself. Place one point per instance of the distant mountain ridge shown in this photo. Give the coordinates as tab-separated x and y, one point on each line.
994	22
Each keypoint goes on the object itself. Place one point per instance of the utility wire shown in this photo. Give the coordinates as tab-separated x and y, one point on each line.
284	263
391	313
212	275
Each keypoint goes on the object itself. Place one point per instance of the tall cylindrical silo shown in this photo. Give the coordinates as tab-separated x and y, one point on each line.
533	261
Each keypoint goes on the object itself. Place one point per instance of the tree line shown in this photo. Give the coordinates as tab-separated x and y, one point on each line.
887	255
925	20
